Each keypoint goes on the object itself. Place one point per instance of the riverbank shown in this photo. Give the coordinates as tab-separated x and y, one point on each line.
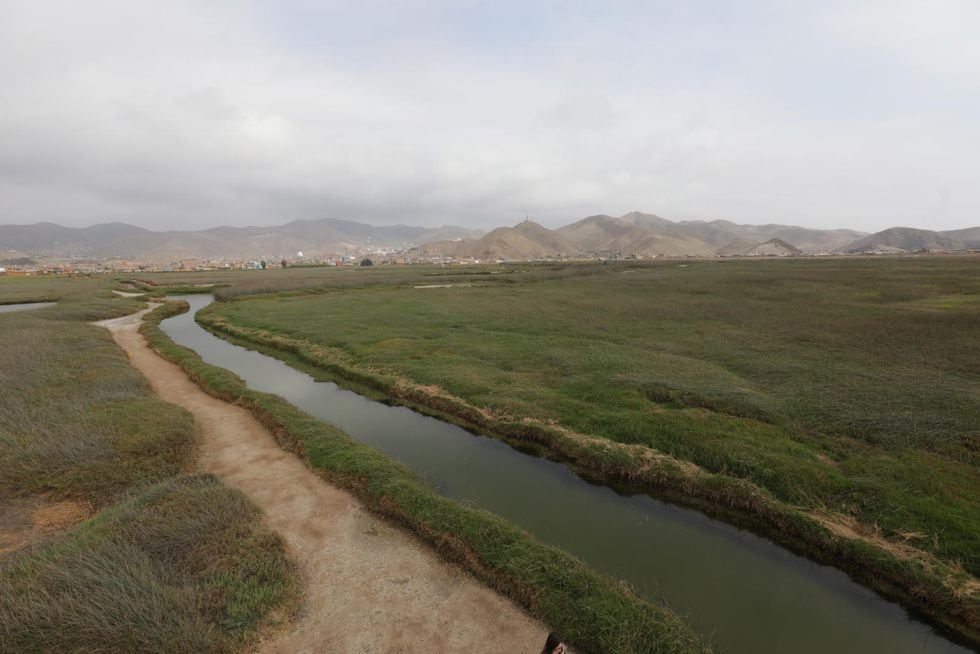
592	611
944	594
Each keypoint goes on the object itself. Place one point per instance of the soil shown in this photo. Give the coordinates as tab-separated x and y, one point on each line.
26	521
368	586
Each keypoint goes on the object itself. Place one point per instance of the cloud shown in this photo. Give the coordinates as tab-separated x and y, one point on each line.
188	114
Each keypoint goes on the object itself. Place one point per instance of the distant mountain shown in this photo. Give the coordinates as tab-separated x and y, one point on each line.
648	235
327	236
969	237
633	234
41	238
738	247
811	241
548	238
903	239
774	247
526	241
647	220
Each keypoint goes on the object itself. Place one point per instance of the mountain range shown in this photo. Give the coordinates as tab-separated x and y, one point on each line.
647	235
634	234
312	237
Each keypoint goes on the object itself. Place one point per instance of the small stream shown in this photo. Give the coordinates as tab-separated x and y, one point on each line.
747	594
25	306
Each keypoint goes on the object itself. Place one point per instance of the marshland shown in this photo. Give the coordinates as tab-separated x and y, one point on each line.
780	397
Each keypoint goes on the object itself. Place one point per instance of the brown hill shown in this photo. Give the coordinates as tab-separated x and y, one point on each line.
525	242
720	233
736	248
647	220
506	243
605	234
969	237
902	239
548	238
774	247
48	239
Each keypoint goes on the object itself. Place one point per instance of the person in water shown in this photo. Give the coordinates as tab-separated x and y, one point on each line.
554	645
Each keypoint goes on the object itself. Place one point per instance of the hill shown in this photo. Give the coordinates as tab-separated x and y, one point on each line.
774	247
327	236
736	248
633	234
526	241
719	233
48	238
902	239
548	238
969	237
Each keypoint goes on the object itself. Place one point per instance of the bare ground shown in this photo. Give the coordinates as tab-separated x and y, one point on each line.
369	587
25	521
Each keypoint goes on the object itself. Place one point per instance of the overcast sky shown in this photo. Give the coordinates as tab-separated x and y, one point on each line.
186	115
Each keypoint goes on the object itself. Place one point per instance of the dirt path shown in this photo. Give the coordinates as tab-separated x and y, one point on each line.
369	587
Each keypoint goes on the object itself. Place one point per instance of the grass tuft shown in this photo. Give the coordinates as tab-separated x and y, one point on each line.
183	566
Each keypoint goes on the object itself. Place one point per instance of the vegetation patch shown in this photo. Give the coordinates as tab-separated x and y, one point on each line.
591	610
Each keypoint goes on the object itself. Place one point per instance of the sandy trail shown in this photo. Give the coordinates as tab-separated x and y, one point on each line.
368	587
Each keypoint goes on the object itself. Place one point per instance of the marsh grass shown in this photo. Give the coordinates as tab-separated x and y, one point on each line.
76	420
80	298
173	563
851	385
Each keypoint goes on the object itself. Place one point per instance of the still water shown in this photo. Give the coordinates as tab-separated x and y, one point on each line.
747	594
26	306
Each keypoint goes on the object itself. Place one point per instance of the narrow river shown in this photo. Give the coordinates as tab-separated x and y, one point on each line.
25	306
748	595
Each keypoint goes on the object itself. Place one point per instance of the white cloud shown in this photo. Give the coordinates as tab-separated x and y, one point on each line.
194	114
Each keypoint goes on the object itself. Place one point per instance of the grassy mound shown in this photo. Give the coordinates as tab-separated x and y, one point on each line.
183	566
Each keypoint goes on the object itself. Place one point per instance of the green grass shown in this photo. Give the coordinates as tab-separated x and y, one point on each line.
43	288
173	563
850	384
303	281
592	611
81	298
76	419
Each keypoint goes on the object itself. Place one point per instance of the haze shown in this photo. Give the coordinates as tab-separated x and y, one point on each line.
186	115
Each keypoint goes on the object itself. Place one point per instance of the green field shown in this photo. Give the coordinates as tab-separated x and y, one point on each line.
168	562
846	386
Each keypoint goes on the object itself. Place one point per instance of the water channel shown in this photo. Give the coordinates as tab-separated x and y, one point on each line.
747	594
25	306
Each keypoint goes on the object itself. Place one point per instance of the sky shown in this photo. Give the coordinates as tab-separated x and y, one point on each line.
859	114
